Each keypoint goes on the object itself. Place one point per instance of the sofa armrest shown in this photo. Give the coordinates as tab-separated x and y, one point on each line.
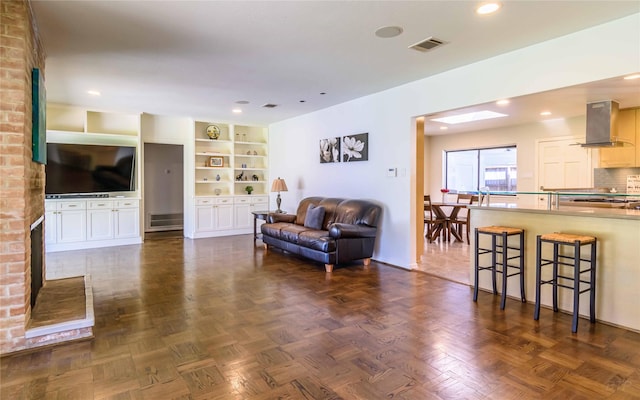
340	230
278	217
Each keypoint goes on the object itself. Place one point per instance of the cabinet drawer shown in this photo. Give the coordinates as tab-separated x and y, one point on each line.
251	199
259	199
205	201
126	203
209	201
72	205
99	204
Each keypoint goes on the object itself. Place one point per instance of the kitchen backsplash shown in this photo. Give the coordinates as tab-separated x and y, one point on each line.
613	178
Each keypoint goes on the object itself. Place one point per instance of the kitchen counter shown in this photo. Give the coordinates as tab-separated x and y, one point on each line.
612	210
618	262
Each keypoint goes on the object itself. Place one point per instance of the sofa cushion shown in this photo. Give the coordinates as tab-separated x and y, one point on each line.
317	240
290	232
273	229
314	217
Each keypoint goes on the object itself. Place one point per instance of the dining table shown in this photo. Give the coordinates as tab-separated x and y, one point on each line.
446	212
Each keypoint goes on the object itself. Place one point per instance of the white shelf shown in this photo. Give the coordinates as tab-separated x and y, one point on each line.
213	181
213	154
216	168
248	182
213	140
252	143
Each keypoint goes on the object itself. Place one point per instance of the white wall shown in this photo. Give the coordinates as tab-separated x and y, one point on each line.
601	52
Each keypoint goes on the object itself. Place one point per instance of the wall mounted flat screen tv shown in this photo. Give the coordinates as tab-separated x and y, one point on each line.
84	168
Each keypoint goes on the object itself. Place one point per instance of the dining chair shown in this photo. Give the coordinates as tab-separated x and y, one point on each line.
462	217
434	223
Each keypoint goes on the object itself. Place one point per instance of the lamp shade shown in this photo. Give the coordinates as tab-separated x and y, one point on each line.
279	185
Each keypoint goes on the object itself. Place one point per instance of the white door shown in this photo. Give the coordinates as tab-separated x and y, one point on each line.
100	224
204	218
127	221
224	215
563	164
50	227
243	217
71	226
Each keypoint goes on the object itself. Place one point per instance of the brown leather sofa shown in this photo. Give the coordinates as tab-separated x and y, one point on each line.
328	230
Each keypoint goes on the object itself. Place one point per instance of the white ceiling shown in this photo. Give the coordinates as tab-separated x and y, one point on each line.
561	103
197	58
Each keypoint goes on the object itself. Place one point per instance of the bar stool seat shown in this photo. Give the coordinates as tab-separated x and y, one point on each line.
499	252
575	281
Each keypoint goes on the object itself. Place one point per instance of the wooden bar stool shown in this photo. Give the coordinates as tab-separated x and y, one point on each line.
573	281
500	248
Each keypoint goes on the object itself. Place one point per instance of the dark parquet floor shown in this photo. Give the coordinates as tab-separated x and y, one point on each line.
218	319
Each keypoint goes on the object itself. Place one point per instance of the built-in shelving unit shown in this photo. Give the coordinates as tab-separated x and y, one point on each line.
75	222
236	159
216	174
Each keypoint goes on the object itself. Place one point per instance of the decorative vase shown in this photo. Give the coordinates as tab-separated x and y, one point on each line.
218	177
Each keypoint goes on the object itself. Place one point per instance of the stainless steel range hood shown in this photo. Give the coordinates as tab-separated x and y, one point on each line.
602	125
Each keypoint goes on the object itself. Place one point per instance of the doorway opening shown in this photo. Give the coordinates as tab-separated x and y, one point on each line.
163	187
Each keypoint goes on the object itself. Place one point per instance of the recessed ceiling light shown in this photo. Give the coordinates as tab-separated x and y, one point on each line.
388	31
634	76
503	102
236	111
444	128
242	102
488	8
545	113
93	92
470	117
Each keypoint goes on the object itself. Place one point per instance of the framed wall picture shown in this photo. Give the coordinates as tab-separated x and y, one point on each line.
38	119
216	161
330	150
355	147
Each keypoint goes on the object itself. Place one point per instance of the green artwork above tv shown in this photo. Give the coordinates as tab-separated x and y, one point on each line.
39	125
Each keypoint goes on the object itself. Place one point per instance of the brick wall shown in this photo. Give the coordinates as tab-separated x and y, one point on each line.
21	180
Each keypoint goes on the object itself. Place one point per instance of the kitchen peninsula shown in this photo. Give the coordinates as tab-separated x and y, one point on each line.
618	257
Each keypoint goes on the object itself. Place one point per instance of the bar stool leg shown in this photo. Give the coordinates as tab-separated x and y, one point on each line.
576	287
522	296
592	298
555	277
536	313
477	266
503	300
493	263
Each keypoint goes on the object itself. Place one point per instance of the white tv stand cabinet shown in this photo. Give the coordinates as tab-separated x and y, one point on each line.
83	223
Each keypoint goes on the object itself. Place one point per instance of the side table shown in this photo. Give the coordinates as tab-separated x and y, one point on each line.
258	215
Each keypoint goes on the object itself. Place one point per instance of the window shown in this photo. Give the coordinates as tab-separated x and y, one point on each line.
470	170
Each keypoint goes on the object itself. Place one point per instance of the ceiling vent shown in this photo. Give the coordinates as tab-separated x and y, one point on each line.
428	44
269	105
